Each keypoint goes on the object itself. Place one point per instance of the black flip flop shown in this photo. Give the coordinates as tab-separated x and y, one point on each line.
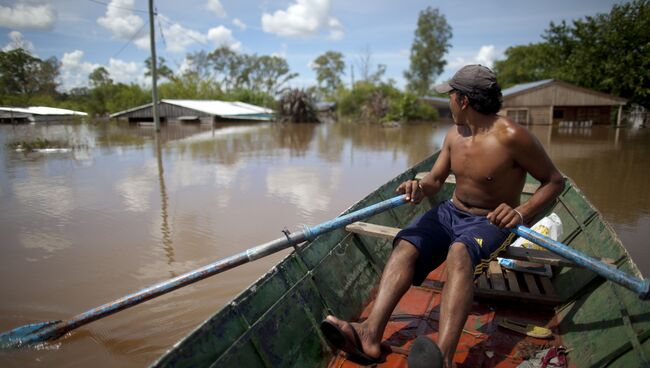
425	354
340	340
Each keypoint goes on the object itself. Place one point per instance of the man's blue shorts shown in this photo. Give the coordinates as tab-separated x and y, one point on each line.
435	231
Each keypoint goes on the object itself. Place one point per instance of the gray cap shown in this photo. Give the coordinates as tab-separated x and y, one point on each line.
470	79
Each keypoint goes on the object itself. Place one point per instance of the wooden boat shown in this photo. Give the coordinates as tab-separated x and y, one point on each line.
275	322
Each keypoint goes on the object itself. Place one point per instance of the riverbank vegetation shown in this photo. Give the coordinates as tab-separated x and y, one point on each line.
609	53
37	144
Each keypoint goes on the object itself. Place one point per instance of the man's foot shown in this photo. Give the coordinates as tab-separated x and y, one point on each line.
351	338
425	354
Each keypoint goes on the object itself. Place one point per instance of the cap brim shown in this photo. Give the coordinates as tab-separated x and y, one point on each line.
443	88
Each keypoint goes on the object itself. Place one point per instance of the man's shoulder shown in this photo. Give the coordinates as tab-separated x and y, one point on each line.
509	132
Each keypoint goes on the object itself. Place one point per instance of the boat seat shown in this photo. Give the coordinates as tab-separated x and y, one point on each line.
496	282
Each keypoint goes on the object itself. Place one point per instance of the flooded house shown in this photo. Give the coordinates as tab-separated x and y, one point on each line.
196	111
37	114
439	103
551	101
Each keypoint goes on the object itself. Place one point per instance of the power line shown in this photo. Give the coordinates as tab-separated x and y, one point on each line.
131	39
183	29
119	7
162	35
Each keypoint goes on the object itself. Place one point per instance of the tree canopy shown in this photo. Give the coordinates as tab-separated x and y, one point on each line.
429	46
607	52
329	68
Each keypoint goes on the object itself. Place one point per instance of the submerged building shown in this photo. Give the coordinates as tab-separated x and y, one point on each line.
199	111
37	114
552	101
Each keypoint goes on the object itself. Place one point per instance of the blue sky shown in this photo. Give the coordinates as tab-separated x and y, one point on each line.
85	34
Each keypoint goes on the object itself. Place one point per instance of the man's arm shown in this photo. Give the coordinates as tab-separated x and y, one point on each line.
432	182
531	156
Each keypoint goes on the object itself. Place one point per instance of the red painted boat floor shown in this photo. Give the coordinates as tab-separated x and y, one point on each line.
482	344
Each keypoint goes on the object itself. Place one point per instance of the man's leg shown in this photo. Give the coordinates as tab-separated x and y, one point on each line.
395	281
457	296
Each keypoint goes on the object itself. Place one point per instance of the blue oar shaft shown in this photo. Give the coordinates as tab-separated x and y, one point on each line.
639	286
53	330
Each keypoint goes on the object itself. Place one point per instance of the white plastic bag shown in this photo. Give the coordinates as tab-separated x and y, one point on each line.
550	226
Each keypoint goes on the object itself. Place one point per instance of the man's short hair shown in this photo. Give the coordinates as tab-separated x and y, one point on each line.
487	101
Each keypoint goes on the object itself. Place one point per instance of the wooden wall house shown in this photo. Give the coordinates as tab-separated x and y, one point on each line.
552	101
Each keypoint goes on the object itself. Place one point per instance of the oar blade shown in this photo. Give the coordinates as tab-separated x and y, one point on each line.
26	335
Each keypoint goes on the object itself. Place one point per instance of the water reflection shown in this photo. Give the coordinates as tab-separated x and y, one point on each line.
610	165
308	188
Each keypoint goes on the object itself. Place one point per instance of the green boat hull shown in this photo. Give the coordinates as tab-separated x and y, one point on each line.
274	322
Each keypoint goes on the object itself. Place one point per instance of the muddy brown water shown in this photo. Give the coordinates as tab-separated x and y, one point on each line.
123	210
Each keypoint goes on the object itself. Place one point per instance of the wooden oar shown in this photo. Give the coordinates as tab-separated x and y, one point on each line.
44	331
640	286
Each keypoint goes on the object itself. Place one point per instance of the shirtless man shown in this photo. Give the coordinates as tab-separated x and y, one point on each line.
490	156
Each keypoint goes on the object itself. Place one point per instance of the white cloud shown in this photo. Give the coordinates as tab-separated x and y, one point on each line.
125	71
485	56
74	71
28	14
17	41
302	19
237	22
222	36
336	29
124	25
216	7
121	21
178	38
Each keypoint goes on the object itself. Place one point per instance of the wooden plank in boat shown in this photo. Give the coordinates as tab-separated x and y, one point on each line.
496	276
380	231
547	285
483	282
537	256
502	295
513	284
530	282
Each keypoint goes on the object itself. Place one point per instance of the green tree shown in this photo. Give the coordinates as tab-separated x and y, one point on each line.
161	68
269	73
366	67
229	69
607	52
99	77
23	76
429	46
526	63
329	67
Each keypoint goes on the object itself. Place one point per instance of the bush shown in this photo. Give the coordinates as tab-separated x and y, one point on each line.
379	103
408	108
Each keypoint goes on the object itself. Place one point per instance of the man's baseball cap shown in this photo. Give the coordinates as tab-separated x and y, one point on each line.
470	79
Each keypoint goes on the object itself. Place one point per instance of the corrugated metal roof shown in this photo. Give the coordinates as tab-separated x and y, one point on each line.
43	110
213	107
437	99
524	86
221	108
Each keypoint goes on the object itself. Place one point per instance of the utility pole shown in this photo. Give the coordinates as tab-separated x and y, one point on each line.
154	87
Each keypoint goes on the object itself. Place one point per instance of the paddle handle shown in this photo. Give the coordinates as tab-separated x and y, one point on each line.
640	286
